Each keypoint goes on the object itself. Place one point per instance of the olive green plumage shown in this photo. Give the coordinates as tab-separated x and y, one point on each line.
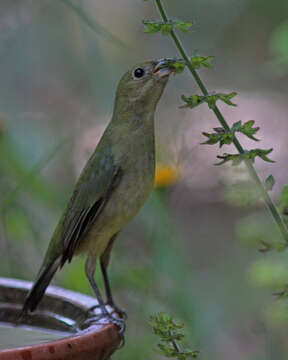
114	184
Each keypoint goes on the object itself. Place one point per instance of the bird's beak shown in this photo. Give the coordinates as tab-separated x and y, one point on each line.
163	68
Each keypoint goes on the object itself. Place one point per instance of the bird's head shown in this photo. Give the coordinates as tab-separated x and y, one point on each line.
141	87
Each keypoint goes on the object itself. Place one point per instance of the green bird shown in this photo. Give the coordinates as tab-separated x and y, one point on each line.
112	187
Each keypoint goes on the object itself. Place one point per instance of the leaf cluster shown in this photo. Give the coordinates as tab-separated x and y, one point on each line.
178	65
227	136
198	61
247	155
152	27
223	136
170	334
211	99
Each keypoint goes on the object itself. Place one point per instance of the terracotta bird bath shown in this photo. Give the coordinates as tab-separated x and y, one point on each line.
63	315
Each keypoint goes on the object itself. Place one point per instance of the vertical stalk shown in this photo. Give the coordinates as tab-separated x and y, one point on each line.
268	201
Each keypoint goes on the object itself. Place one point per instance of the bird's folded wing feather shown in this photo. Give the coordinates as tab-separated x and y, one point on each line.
93	189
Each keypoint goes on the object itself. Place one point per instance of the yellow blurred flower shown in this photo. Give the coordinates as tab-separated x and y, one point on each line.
166	175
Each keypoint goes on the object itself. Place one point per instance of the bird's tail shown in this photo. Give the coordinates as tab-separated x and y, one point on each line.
43	279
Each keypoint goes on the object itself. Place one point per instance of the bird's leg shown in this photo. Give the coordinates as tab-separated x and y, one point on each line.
110	300
104	262
90	267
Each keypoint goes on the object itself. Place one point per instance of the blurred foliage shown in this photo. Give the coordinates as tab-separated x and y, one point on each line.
60	63
279	48
171	336
283	205
87	19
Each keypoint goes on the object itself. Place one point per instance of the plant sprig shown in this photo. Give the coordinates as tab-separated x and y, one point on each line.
223	136
248	155
248	161
165	27
269	182
211	99
171	335
197	61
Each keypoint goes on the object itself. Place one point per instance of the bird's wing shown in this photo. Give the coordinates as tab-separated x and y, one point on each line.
93	189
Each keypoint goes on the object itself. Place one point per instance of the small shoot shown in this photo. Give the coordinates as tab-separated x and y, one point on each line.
269	182
152	27
223	136
236	159
198	61
195	100
171	336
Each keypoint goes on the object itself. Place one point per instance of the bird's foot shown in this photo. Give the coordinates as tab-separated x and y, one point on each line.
117	319
105	317
94	307
116	309
121	324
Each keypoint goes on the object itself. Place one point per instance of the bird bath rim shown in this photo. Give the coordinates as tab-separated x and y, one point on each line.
61	311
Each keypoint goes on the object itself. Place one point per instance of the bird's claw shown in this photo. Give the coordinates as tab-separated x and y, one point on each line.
116	309
92	308
105	315
121	324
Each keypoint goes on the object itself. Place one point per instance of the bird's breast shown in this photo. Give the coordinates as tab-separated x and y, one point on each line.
137	162
135	186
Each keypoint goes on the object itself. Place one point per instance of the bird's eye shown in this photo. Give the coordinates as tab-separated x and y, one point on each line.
138	73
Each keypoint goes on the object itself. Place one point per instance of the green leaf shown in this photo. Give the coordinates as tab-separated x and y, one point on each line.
235	158
198	61
262	154
219	130
156	26
227	136
183	26
178	66
166	29
220	136
192	101
269	182
195	100
151	26
227	98
212	138
248	130
236	126
211	100
251	155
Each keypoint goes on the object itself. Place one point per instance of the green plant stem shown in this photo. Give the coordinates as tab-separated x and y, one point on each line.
175	346
268	201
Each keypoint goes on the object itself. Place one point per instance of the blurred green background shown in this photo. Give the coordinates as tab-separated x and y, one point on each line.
192	251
